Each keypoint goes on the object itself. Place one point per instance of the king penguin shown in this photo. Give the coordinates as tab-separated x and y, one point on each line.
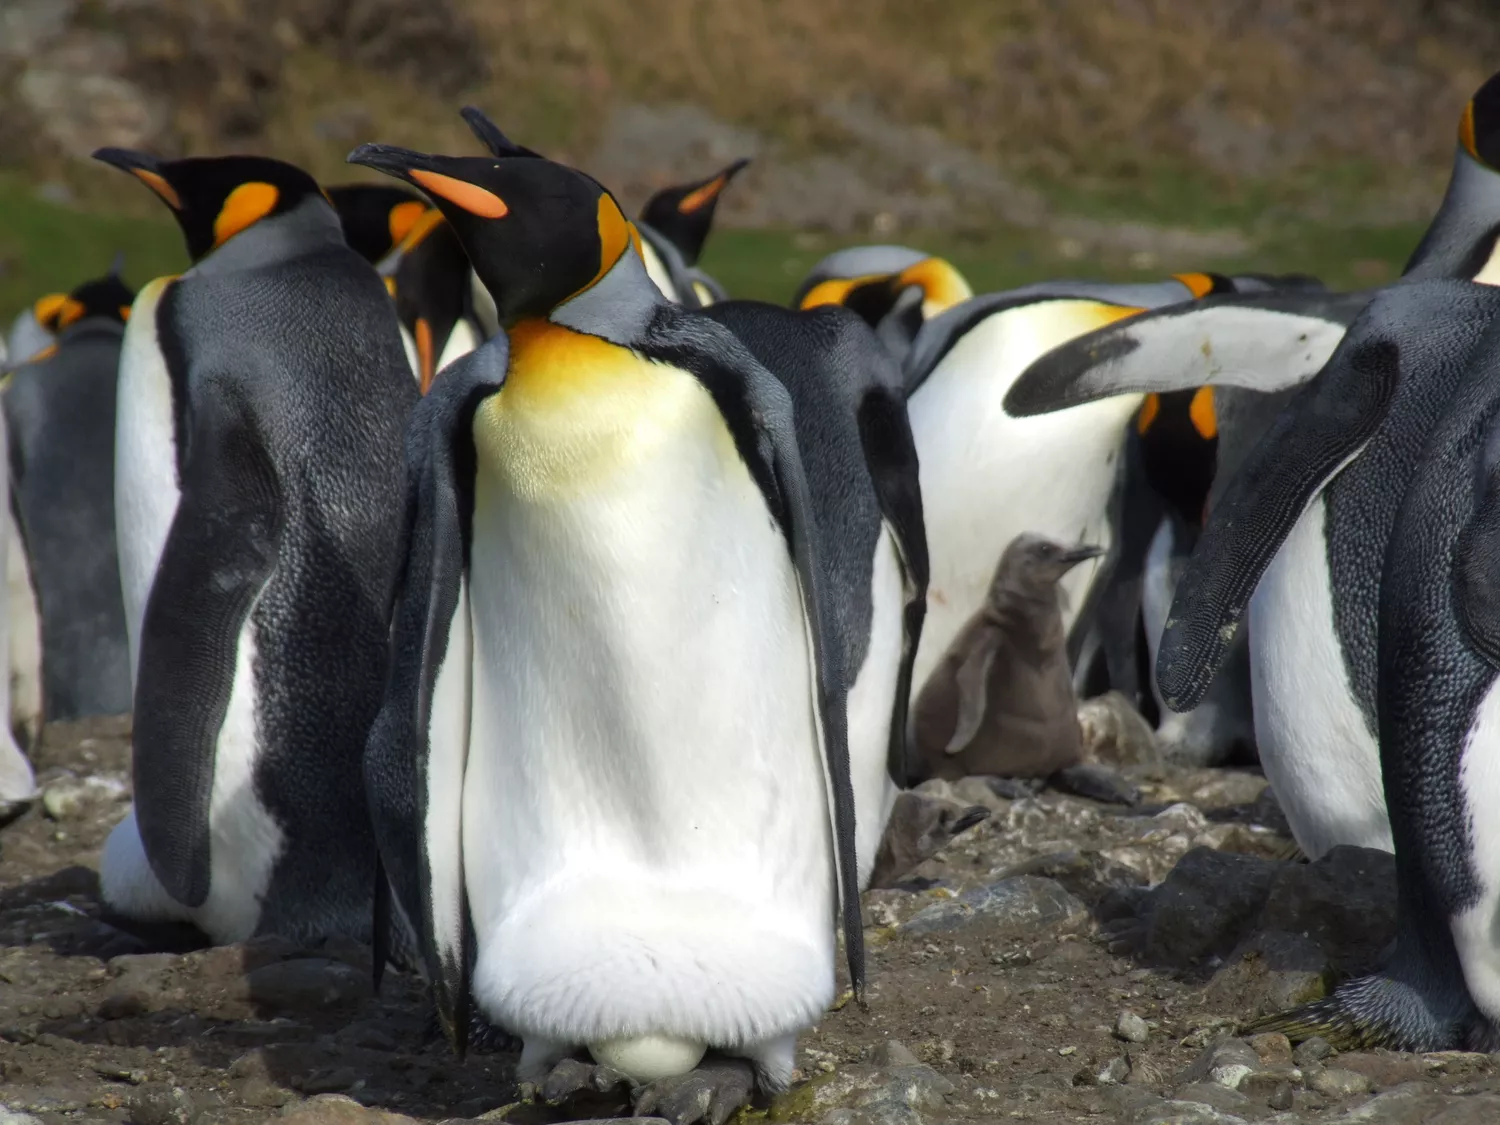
262	402
674	225
60	422
376	217
1437	682
1311	594
614	752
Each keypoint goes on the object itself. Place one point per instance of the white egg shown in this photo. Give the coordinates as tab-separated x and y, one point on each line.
645	1058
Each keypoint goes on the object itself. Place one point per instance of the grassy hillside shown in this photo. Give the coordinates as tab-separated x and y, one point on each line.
1024	138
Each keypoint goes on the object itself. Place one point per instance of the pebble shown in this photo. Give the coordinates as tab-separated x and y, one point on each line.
159	1104
893	1053
1186	1113
1336	1082
1311	1050
1023	904
1213	1095
336	1109
1114	1072
68	797
1131	1028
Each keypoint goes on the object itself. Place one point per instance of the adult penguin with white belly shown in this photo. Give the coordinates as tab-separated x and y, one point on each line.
263	399
1312	594
615	735
60	420
673	226
1437	988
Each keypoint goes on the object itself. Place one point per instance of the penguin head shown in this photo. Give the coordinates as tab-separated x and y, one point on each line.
683	214
873	296
214	198
108	297
1032	564
376	217
1479	127
537	232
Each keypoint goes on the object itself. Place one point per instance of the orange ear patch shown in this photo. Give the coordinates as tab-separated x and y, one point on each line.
635	240
942	286
1466	131
694	200
1198	284
835	290
70	312
1149	410
125	313
159	185
471	197
243	207
48	307
403	217
1201	412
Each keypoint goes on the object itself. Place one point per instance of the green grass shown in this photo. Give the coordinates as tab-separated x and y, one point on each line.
45	247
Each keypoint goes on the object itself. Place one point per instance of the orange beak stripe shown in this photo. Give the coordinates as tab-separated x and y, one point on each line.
157	184
693	200
471	197
425	359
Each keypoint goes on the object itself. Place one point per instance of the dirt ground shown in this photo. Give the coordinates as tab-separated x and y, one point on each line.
1011	1008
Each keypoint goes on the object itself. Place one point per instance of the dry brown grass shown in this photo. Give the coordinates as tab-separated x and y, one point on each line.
1091	93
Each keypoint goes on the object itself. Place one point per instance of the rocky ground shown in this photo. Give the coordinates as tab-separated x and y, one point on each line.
1064	961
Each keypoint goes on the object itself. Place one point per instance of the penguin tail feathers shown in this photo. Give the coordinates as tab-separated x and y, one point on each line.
1382	1011
1327	1019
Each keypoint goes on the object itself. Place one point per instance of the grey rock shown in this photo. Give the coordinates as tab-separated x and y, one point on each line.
1186	1113
336	1109
1131	1028
261	1093
1225	1062
331	1080
1207	904
1271	971
1335	1082
1414	1104
1213	1095
9	1118
1311	1050
1281	1098
70	797
306	984
1115	732
893	1052
1114	1072
1344	901
1020	905
159	1104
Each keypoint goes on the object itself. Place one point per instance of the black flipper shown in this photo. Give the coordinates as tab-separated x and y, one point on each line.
490	136
220	550
402	756
891	453
1260	341
1325	425
758	411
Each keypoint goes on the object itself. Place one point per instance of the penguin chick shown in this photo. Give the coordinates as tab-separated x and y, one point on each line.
919	827
1001	698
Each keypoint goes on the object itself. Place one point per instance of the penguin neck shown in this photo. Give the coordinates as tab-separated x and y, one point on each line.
618	307
1031	620
1461	242
311	227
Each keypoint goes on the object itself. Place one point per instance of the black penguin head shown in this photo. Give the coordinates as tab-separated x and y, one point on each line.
216	197
1179	445
1032	565
683	214
1479	127
537	232
108	297
376	217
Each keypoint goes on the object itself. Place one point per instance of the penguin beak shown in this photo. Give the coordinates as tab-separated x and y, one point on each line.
392	160
1082	553
144	167
438	176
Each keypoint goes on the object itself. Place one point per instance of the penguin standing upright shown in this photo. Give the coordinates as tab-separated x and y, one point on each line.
262	402
1312	616
17	779
1437	672
615	737
60	418
673	226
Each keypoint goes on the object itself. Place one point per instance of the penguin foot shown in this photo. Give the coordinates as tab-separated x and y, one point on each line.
484	1037
1378	1011
709	1094
1097	783
574	1081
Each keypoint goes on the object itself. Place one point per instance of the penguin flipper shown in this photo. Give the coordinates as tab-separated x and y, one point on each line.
972	680
1322	429
221	548
1259	341
891	453
418	745
758	410
1477	589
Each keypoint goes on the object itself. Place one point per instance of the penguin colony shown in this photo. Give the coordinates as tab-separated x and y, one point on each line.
490	587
